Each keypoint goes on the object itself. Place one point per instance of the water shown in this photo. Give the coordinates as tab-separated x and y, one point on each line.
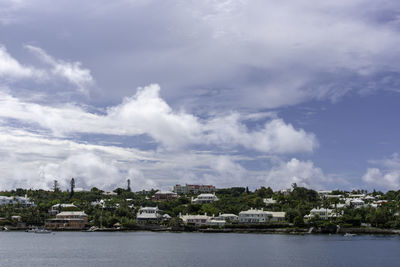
195	249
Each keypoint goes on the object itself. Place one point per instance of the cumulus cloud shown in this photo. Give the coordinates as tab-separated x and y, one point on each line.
303	173
147	113
387	175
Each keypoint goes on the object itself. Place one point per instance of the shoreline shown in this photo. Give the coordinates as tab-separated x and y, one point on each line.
287	231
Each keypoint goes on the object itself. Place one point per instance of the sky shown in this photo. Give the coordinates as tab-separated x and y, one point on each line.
230	93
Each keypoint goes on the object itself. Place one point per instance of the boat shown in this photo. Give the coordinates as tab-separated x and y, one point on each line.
348	234
42	231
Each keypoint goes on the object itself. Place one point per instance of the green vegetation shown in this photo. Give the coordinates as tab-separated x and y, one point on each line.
122	208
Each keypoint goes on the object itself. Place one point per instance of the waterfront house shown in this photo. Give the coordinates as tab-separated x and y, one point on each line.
68	220
164	195
261	216
195	219
324	214
228	217
204	198
254	216
148	215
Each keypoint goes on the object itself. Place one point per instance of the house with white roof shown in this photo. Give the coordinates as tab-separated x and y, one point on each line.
355	203
195	219
55	209
228	217
148	215
204	198
16	200
260	216
269	201
323	213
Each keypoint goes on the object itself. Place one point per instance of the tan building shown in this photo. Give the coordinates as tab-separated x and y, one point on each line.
68	220
164	195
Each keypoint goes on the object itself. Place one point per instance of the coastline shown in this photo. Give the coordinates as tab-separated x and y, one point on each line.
288	231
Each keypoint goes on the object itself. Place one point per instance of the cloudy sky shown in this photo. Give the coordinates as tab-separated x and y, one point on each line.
223	92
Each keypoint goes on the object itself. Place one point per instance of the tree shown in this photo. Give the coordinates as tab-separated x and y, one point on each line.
72	187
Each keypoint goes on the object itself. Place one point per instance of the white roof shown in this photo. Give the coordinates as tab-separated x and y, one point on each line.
252	211
149	208
321	210
64	206
227	215
277	214
193	217
206	195
72	213
147	216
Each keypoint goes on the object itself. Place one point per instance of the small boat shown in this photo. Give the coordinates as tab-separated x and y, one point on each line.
348	234
42	231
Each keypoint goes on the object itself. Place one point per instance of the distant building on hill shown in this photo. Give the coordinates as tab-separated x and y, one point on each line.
55	209
204	198
24	201
164	195
194	189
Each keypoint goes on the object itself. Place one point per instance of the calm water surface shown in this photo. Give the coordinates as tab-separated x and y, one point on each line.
195	249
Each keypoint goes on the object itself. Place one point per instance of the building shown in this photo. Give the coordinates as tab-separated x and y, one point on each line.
148	215
324	214
228	217
261	216
164	195
254	216
269	201
277	216
68	220
55	209
355	203
193	189
16	200
204	199
195	219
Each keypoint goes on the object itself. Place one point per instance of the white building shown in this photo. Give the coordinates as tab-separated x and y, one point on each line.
260	216
193	188
228	217
269	201
204	198
55	209
355	203
16	200
195	219
324	214
148	214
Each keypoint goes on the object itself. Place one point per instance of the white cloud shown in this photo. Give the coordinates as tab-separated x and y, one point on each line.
71	71
10	68
387	175
303	173
147	113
